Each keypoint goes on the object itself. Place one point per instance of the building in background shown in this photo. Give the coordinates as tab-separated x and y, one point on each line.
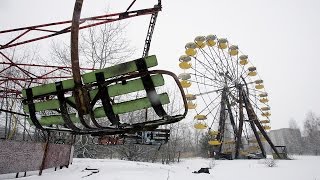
291	138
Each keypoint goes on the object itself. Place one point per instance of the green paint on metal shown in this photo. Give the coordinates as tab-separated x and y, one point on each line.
119	108
49	88
129	86
130	106
45	105
54	119
119	69
112	71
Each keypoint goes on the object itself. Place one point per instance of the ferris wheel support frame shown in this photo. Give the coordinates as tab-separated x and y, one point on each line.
244	103
255	122
233	124
222	119
240	129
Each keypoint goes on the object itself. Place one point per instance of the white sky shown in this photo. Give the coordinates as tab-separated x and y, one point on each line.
281	38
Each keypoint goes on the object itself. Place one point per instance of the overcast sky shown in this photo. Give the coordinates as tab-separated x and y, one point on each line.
281	38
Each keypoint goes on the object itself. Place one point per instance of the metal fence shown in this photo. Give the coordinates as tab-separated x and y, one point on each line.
21	156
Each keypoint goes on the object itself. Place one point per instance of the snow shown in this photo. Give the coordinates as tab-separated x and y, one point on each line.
302	167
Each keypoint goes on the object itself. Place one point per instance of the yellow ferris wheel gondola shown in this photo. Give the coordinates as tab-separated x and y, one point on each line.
191	105
185	65
200	41
211	40
214	142
233	50
263	95
200	126
191	49
185	83
264	121
200	117
252	71
266	114
191	97
243	60
222	43
259	84
265	108
213	133
264	100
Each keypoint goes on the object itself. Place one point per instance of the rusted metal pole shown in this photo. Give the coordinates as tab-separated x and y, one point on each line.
254	118
222	119
81	97
241	119
46	147
75	41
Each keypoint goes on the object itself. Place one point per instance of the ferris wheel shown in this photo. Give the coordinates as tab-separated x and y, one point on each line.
227	95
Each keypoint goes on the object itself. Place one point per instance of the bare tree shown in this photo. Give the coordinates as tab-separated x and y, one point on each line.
312	133
99	47
293	124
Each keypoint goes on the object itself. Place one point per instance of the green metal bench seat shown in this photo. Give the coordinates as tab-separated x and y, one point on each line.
113	71
113	90
119	108
102	87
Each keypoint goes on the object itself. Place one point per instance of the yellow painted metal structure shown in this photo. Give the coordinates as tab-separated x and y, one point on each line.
200	126
214	142
185	65
200	117
185	83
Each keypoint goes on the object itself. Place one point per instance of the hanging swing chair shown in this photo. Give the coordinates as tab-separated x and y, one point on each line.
89	103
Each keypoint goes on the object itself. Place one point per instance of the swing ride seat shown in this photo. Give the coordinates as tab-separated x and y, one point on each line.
103	85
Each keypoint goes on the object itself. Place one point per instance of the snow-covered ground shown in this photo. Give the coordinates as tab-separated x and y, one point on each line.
302	168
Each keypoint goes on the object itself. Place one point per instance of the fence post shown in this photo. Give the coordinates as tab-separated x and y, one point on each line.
44	154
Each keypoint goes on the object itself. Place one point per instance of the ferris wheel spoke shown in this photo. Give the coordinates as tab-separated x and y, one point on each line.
228	60
202	96
203	76
229	70
208	97
205	84
215	117
210	106
208	68
208	78
223	66
213	60
204	54
255	104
